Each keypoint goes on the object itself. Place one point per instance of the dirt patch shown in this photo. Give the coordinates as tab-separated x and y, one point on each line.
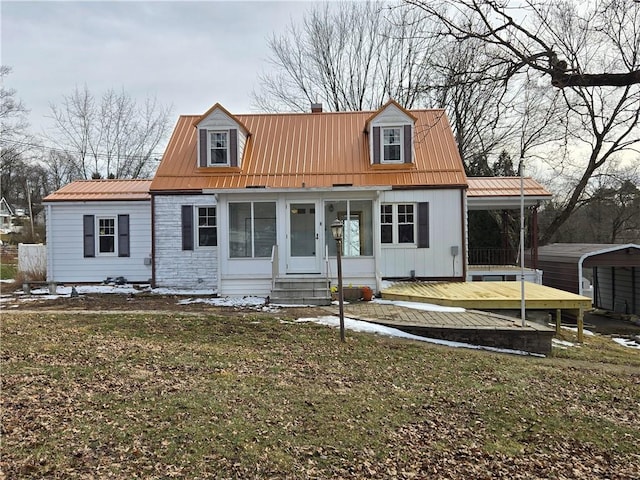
146	302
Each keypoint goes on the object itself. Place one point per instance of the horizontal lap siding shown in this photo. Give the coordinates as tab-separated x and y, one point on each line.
197	268
445	231
65	236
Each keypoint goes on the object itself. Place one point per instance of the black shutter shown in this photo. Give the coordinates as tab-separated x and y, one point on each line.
187	227
89	231
423	225
123	235
408	144
233	147
376	145
203	147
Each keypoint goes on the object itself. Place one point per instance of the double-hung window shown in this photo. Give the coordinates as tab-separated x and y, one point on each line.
398	223
105	235
207	229
391	144
218	148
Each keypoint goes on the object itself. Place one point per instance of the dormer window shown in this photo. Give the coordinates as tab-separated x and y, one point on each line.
218	148
392	145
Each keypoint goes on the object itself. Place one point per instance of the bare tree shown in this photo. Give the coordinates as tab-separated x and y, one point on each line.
556	38
113	137
598	113
350	56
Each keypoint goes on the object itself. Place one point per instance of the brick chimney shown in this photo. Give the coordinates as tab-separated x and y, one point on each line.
316	108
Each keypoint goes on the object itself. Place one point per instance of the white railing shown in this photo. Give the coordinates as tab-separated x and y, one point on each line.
274	266
328	266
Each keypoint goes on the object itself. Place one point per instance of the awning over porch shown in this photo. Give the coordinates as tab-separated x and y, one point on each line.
503	193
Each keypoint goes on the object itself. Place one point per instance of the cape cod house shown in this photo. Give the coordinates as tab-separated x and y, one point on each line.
243	204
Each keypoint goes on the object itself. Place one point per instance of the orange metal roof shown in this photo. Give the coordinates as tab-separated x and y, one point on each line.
504	187
312	150
92	190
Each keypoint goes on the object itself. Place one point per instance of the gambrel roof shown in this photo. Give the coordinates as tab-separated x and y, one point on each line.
313	150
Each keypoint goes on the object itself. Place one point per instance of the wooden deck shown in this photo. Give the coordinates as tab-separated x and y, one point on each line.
474	327
487	295
491	296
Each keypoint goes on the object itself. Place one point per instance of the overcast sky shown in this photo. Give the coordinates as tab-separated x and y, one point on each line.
188	54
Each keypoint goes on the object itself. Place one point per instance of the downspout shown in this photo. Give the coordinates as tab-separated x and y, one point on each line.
49	246
465	232
153	241
376	241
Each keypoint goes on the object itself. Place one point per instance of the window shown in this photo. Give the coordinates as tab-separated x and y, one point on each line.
218	148
391	145
386	223
356	216
106	235
405	223
252	229
207	231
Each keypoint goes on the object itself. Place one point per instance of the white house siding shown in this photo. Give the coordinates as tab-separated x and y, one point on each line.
174	267
445	231
65	256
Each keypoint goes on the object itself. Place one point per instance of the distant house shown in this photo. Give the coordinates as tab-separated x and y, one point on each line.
243	204
6	216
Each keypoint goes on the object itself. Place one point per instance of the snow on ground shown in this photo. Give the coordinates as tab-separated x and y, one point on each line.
367	327
627	342
575	330
428	307
259	303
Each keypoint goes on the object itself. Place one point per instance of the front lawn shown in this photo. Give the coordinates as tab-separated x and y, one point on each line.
254	396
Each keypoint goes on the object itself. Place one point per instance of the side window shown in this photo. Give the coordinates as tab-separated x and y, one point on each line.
386	223
207	229
106	235
406	224
398	223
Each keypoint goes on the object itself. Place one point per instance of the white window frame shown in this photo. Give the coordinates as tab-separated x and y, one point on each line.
99	252
383	159
197	225
210	147
395	235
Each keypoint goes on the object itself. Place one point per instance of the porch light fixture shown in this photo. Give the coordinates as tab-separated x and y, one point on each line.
337	229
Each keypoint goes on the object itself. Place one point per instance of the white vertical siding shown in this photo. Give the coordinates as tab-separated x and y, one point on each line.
65	255
445	231
197	268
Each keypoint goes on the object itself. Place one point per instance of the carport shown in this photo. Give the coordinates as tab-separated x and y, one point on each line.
614	271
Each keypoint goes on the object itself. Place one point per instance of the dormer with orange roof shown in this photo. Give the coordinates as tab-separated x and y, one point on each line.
391	134
221	138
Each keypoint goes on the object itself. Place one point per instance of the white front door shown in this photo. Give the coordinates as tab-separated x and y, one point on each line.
304	252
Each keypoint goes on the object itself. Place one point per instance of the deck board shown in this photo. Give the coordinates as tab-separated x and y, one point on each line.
487	295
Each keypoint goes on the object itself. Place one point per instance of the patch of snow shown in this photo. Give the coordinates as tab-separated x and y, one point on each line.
226	301
7	280
626	342
367	327
563	344
428	307
575	329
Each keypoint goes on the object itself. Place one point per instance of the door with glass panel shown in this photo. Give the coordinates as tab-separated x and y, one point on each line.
303	243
